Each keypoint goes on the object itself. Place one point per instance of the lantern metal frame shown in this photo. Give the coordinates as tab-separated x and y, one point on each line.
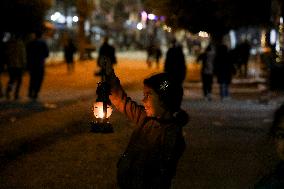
102	125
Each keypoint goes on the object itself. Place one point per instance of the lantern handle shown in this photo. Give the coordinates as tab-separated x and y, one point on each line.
103	79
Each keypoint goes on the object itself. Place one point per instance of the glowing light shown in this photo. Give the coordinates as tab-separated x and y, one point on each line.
233	39
55	16
75	19
273	36
151	16
58	17
99	112
61	19
167	28
263	39
69	21
203	34
144	16
139	26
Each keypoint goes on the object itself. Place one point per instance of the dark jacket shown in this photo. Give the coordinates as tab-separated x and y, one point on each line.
156	145
207	60
223	65
175	63
37	52
106	52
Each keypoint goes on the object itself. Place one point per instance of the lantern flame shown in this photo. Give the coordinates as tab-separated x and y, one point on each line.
99	112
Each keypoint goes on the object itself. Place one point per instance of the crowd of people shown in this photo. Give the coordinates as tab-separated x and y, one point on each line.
217	60
224	63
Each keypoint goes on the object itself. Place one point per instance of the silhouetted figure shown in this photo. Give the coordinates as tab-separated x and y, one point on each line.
275	179
207	70
242	55
37	52
69	52
2	63
106	53
15	57
224	69
175	63
268	58
153	52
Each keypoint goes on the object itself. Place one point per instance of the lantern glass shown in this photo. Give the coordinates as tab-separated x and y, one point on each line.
99	110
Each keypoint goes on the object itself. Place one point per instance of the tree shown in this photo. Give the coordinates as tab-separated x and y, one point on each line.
23	15
214	16
84	9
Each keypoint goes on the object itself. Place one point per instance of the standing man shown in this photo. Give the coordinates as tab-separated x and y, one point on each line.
175	62
106	53
37	52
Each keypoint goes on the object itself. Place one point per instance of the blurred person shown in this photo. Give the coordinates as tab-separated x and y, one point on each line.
275	179
106	53
158	56
15	57
154	52
37	52
242	57
157	143
223	69
69	51
175	63
207	70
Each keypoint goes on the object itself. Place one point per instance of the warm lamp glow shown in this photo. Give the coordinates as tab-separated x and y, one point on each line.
99	112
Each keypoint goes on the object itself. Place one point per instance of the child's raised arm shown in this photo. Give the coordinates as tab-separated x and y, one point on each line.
120	100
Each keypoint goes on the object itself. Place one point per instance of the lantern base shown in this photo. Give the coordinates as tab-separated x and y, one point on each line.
97	127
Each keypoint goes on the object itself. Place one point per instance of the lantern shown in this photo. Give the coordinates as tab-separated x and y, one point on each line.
102	107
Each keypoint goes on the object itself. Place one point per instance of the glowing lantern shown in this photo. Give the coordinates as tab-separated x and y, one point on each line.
102	107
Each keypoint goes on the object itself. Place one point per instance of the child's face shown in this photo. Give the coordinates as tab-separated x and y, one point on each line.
152	103
279	140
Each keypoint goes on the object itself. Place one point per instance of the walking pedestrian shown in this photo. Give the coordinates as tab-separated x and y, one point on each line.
69	52
275	179
207	70
224	70
157	142
175	63
15	57
242	58
37	52
106	54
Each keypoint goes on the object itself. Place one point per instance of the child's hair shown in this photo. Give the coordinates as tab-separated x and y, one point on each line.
278	118
170	93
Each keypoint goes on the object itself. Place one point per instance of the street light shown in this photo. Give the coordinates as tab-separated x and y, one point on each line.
102	107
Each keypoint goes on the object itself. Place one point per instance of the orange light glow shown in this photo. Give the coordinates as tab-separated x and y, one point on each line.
99	112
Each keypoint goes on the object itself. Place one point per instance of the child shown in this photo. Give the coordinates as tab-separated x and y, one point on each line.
157	142
276	178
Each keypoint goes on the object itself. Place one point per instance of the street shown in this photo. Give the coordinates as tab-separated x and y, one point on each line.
48	144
